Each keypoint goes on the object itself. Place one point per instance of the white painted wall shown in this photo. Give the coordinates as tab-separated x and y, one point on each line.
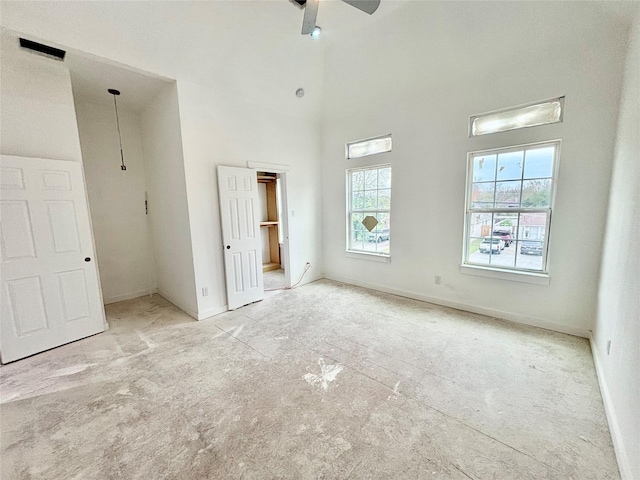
116	198
250	51
219	129
168	210
618	318
37	115
420	75
38	119
237	104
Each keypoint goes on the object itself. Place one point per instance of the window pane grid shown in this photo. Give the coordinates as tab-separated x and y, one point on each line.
370	195
524	251
509	207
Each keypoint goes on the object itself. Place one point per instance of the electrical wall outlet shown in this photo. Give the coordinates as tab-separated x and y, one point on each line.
437	279
205	291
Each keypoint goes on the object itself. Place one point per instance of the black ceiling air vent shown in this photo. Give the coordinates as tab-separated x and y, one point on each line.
41	49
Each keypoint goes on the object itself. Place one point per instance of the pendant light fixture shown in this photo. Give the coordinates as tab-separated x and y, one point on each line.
115	93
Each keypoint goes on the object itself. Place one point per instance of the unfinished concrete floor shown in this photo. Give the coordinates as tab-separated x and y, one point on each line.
274	279
323	381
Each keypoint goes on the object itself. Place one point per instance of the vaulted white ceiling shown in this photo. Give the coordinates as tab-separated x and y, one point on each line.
251	47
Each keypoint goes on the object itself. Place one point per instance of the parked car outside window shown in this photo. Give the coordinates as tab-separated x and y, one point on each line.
491	244
505	235
531	248
509	196
379	236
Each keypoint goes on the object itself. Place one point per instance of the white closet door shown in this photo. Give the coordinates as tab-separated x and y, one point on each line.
238	189
50	288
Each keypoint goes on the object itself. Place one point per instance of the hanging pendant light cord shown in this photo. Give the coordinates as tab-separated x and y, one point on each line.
123	166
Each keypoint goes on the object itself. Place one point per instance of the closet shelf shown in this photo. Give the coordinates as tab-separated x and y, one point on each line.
267	267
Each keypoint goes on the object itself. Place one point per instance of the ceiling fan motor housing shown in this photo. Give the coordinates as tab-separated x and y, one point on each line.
311	11
299	3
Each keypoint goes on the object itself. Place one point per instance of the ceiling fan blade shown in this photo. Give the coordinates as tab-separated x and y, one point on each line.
367	6
310	15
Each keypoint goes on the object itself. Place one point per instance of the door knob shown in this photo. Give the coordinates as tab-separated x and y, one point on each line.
228	247
87	259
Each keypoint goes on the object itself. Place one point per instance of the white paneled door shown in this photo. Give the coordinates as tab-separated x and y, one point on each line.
238	189
50	288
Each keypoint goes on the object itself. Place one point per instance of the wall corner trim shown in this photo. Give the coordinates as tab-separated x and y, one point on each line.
618	444
180	305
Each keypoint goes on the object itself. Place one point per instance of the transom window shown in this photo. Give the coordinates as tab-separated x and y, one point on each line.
370	146
369	209
534	114
509	200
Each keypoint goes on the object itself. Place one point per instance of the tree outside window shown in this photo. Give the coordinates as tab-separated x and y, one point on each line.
369	196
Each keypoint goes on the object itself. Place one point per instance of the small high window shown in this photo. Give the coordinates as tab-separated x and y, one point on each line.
370	146
509	200
531	115
369	210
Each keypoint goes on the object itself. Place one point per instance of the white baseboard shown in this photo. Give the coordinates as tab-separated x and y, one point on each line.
180	305
197	315
128	296
218	310
213	311
310	278
612	418
491	312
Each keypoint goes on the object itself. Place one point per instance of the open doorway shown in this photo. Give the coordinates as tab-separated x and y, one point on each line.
274	230
116	195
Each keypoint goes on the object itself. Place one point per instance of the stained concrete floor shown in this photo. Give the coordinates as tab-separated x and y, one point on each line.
324	381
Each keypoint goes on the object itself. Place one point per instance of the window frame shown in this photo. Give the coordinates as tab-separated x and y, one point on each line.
348	146
512	272
350	252
473	118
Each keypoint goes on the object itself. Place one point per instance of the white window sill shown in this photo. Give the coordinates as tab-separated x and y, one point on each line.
525	277
375	257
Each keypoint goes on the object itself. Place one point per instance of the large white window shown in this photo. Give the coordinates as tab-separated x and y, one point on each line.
510	195
368	210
